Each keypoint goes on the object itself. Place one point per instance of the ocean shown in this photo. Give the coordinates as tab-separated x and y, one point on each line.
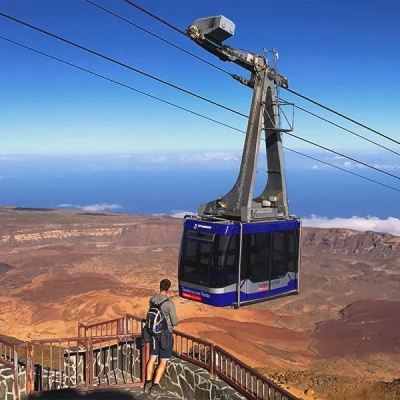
324	193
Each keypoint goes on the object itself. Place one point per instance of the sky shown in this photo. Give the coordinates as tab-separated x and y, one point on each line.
342	53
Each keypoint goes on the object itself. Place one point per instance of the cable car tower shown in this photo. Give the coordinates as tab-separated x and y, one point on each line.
240	248
209	33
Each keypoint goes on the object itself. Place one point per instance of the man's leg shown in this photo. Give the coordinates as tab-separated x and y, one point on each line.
150	367
160	371
165	355
154	353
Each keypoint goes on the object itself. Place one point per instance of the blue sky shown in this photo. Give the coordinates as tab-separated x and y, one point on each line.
342	53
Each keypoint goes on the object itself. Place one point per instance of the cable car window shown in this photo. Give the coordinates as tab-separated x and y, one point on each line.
258	256
231	261
279	258
217	265
196	261
292	250
200	235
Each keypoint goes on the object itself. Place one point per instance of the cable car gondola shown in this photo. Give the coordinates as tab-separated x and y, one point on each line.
238	249
224	263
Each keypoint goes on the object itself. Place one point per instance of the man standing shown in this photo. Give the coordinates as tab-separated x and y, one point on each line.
156	350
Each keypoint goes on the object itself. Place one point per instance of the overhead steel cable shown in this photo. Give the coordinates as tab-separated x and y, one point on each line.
289	90
155	17
158	37
343	128
342	155
172	85
121	84
179	107
341	115
342	169
121	64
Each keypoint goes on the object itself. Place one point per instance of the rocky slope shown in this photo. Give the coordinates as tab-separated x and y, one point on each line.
58	268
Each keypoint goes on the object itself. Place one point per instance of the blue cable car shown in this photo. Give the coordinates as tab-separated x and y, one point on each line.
239	249
231	264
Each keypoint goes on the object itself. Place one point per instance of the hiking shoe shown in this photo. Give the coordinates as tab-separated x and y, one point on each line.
147	387
156	391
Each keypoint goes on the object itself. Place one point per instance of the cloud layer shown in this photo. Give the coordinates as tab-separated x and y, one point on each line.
176	214
390	225
93	207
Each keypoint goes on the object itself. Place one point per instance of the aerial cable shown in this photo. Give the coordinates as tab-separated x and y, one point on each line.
157	18
343	128
342	169
122	64
121	84
289	90
159	37
171	85
181	108
342	155
340	115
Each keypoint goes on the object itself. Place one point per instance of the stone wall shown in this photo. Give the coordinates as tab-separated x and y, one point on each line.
187	381
120	365
7	383
111	365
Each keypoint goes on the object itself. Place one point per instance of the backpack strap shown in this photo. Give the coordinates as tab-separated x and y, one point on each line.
160	304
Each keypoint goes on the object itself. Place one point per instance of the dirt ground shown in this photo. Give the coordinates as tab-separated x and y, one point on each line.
338	338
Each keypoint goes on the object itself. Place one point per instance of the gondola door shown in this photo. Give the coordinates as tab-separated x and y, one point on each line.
257	260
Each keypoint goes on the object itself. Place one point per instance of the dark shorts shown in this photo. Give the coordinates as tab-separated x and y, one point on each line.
157	350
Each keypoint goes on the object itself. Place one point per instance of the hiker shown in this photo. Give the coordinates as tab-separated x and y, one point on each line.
161	339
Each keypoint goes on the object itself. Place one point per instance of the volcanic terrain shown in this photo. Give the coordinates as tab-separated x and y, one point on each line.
340	335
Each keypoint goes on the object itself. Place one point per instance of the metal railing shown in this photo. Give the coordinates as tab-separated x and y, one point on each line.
85	363
216	360
133	324
9	358
245	379
194	350
106	328
129	324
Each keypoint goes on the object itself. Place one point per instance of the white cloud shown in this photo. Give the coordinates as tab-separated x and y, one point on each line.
321	166
387	166
390	225
101	207
175	214
181	213
212	156
93	207
348	164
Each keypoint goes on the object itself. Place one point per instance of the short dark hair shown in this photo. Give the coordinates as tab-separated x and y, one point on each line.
165	284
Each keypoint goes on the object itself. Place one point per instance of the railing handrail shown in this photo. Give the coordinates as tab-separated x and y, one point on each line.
83	339
255	373
211	365
7	343
194	338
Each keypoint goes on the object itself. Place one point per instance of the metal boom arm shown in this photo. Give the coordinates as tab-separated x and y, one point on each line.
238	203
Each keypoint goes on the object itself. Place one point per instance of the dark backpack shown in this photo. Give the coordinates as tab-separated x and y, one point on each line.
155	320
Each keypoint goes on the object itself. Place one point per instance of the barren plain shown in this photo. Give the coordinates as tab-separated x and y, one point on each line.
339	336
